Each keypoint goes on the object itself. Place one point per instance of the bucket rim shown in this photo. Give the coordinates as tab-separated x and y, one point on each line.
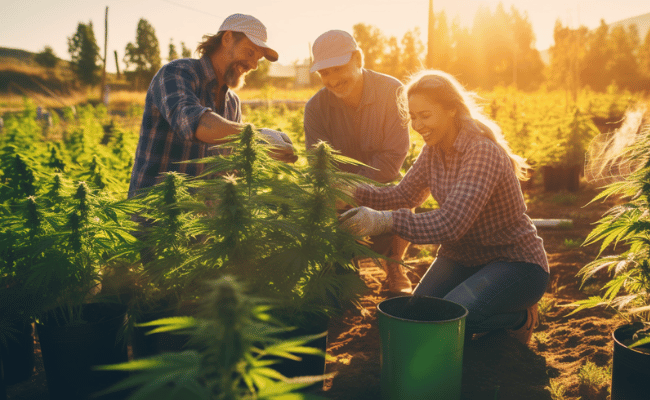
621	330
465	311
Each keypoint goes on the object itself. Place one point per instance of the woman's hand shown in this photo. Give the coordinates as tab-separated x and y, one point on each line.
364	221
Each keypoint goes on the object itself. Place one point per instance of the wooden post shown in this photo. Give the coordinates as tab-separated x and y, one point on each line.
103	91
117	64
431	38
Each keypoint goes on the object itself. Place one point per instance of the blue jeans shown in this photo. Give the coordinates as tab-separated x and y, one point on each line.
496	294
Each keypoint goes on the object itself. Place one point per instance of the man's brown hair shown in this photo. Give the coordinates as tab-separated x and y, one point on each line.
211	43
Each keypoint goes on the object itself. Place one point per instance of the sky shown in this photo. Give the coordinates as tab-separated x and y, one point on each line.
292	25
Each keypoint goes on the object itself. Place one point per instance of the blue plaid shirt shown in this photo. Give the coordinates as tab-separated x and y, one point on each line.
178	96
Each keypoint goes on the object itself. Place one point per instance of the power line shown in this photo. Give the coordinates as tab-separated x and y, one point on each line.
192	9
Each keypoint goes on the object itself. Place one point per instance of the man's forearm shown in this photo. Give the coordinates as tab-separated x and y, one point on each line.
213	128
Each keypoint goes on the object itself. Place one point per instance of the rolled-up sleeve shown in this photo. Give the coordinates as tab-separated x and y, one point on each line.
176	99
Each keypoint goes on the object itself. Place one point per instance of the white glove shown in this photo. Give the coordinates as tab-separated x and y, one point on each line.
364	221
277	139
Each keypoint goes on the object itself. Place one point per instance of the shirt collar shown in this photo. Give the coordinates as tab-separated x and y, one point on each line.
210	76
469	129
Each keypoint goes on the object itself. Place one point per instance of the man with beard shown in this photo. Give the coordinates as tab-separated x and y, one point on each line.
190	106
356	113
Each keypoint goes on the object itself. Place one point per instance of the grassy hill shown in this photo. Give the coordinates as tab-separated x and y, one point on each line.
21	76
642	23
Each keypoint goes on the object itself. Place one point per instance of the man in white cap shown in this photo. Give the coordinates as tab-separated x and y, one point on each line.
190	105
357	114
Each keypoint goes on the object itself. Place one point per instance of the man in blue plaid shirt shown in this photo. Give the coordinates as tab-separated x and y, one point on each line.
190	106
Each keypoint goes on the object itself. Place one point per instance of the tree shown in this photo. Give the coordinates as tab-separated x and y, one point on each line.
644	58
173	54
442	45
463	57
46	58
503	44
392	59
372	42
528	69
144	54
597	54
624	64
431	37
567	55
185	51
84	54
412	51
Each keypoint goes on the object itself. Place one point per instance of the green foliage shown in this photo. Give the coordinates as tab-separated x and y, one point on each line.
572	243
497	50
84	54
62	220
233	343
556	389
596	58
546	128
627	224
47	58
144	54
57	244
173	54
271	224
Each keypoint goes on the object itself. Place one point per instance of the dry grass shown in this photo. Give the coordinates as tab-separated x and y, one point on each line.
15	102
277	94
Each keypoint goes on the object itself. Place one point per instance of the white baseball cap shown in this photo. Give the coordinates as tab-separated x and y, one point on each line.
332	49
254	30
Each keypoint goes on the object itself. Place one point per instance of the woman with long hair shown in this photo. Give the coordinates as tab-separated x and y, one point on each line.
490	258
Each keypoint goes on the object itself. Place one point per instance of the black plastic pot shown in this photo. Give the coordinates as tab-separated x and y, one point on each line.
3	387
561	178
630	367
309	365
70	352
144	345
18	356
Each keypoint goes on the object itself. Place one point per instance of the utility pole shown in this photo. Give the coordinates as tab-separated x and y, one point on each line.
103	91
431	37
515	48
117	65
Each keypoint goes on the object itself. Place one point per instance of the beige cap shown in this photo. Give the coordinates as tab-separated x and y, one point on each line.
331	49
254	30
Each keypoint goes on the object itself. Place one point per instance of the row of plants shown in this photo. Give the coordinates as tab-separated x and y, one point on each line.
547	128
67	243
623	264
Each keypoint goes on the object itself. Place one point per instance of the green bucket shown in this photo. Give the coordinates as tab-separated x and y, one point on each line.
421	348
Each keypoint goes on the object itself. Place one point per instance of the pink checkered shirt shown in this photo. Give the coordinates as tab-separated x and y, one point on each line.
481	215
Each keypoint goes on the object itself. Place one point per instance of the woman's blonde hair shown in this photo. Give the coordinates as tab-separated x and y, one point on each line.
444	89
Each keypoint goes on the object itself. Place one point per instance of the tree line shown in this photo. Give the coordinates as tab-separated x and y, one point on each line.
141	57
497	50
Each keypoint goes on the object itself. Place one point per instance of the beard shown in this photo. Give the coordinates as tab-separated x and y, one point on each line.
232	77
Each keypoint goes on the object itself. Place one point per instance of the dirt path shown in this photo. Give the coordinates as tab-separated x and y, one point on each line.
496	366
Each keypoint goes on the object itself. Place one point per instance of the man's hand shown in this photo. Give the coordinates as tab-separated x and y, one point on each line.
281	144
364	221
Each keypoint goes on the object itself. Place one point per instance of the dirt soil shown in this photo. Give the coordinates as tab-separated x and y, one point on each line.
495	366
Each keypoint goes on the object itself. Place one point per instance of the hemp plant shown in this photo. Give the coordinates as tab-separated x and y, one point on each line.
233	345
628	289
167	226
274	225
59	243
